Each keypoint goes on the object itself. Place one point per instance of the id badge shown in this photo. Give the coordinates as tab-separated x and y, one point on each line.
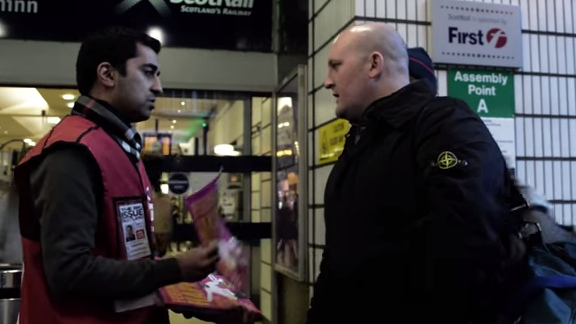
132	215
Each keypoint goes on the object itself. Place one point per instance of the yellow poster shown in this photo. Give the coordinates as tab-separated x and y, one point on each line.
331	139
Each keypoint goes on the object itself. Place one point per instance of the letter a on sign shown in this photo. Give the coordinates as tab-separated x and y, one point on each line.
482	107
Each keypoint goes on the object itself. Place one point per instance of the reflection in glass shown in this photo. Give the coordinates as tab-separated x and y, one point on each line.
195	122
287	159
157	143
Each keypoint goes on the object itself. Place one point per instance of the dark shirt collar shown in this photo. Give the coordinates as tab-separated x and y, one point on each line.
115	111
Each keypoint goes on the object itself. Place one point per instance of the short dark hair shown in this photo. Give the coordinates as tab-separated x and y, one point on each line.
114	45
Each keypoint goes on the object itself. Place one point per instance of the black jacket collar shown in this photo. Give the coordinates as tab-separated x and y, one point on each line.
399	107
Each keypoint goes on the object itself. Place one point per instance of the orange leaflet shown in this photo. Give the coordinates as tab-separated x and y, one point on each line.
185	294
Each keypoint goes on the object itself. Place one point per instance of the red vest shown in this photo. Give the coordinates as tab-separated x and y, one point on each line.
122	182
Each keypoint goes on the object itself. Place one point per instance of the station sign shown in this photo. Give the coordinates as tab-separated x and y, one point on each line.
491	95
178	183
331	140
244	25
476	33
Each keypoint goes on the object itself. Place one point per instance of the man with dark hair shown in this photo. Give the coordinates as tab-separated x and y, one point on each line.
83	184
420	67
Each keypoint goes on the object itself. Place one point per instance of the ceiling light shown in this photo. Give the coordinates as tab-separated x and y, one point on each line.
174	121
172	127
283	102
157	33
182	103
27	140
5	132
53	120
225	149
179	111
70	105
68	96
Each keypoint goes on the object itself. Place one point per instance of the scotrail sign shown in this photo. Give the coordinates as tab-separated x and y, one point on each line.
476	33
205	7
183	23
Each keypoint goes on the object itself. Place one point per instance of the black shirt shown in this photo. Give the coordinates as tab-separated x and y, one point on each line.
68	191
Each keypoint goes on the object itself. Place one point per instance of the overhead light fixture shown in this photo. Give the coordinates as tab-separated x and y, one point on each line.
70	105
225	150
172	127
284	102
182	103
173	121
179	111
27	140
157	33
68	96
53	120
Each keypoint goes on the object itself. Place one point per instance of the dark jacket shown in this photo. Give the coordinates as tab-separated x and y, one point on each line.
413	216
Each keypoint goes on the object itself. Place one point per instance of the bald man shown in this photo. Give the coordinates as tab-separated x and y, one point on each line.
416	202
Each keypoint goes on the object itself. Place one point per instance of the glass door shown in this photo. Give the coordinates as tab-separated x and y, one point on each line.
289	175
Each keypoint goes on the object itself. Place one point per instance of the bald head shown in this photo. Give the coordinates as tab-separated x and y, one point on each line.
374	55
377	38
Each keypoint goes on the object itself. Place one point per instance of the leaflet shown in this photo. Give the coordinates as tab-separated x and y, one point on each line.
210	227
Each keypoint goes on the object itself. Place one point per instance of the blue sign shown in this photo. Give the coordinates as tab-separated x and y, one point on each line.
178	183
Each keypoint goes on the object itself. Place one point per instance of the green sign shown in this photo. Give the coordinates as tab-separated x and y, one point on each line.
489	93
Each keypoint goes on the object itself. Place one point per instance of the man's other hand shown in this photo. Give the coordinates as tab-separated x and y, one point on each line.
198	263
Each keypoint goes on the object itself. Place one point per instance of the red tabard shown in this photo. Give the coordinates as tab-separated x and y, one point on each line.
124	182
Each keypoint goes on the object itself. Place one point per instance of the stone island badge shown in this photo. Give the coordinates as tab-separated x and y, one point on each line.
447	160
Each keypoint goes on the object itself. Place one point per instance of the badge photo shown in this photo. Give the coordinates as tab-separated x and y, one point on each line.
132	214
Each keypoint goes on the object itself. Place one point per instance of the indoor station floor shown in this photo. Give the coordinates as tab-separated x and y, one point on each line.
179	319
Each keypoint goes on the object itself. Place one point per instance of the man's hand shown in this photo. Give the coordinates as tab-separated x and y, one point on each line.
198	263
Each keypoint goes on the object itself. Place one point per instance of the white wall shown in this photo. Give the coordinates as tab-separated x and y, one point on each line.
545	92
327	19
33	63
227	126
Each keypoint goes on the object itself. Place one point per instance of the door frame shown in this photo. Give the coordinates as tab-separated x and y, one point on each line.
300	74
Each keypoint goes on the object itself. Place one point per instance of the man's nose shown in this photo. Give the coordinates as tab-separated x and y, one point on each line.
157	87
328	84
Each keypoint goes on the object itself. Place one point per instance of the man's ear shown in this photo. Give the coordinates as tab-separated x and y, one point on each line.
106	74
376	64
